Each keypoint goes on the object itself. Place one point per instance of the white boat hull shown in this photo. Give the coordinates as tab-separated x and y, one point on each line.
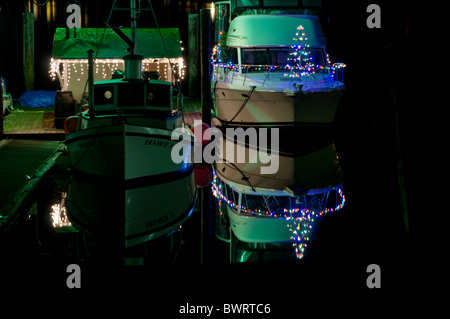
274	107
124	183
259	229
309	174
315	170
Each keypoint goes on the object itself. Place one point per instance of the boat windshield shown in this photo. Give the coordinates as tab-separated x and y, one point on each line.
278	205
242	7
267	3
281	57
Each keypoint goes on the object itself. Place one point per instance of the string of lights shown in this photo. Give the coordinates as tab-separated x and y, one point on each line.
299	221
106	68
299	64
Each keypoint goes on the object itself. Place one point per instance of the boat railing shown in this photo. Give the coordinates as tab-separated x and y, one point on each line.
338	69
239	74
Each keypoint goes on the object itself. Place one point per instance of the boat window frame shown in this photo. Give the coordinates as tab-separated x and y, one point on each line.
123	85
153	107
261	4
102	107
245	50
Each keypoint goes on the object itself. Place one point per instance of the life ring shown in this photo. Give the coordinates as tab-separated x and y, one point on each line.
72	124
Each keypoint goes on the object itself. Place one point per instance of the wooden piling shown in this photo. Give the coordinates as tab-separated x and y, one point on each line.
1	111
91	82
193	56
28	50
205	53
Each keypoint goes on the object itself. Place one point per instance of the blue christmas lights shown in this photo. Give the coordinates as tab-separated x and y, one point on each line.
299	221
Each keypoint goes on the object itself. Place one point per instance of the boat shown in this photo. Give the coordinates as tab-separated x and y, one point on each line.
271	67
125	189
271	72
263	209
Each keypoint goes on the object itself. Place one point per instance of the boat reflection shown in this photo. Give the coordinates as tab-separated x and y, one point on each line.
264	215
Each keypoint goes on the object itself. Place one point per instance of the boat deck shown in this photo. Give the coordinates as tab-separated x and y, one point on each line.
22	165
37	124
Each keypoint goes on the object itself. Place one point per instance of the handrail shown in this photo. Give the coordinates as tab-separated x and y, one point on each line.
335	69
245	77
266	76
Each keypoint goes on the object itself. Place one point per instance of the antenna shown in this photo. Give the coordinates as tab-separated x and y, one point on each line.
133	26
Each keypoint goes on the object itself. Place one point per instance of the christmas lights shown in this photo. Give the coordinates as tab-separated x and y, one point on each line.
255	67
59	217
284	213
300	221
74	70
217	54
303	61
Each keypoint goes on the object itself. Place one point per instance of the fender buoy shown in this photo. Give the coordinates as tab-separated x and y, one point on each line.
199	132
72	124
203	175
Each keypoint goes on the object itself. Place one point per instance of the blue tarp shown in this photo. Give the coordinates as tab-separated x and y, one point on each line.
38	98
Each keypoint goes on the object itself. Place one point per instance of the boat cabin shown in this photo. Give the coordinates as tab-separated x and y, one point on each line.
225	11
69	64
132	96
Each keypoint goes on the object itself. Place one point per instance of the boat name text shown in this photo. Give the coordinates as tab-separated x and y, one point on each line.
156	222
156	143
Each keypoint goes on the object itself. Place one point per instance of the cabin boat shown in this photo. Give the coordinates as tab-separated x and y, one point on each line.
124	180
271	66
125	188
271	71
260	206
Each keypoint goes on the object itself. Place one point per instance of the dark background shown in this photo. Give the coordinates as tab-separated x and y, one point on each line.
388	119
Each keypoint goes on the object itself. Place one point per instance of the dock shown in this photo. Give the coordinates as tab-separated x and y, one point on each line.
192	110
23	164
32	125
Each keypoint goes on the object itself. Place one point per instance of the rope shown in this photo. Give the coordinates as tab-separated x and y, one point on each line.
167	54
243	104
95	57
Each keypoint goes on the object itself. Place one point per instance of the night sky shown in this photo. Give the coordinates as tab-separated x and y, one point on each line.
383	81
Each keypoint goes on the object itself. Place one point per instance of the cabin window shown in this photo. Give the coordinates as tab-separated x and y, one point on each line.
282	56
280	3
159	94
265	56
104	95
230	55
247	3
270	204
268	3
231	193
317	57
131	94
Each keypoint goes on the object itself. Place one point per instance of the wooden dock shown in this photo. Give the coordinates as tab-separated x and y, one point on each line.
23	163
192	110
32	124
190	117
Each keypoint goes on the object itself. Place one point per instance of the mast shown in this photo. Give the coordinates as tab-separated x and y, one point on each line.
91	82
133	62
133	26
